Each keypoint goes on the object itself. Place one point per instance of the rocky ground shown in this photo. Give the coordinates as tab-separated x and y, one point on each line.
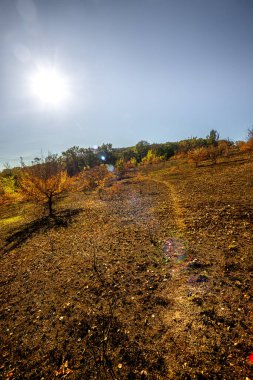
152	281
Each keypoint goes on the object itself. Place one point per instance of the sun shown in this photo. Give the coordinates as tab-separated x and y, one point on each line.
49	86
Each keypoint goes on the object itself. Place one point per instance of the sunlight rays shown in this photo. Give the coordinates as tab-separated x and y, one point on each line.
49	86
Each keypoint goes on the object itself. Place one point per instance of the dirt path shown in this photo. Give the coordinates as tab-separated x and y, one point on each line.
187	283
155	210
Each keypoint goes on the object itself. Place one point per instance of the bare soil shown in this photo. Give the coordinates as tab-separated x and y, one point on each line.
152	281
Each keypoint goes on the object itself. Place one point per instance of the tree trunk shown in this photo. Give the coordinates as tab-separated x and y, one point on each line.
50	205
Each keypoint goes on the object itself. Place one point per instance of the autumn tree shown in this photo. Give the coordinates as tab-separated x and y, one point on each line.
44	181
213	153
224	147
120	168
152	158
197	155
248	146
96	178
9	184
8	189
92	178
131	164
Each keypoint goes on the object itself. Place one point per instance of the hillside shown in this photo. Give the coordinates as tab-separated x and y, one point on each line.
152	281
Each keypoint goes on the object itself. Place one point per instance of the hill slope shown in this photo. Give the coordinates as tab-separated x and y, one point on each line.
150	282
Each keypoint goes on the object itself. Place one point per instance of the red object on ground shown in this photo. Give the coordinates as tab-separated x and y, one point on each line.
251	357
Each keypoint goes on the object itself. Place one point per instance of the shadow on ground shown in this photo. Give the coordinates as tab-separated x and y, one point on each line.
61	219
229	162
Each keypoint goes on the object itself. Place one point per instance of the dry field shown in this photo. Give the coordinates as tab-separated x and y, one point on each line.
152	281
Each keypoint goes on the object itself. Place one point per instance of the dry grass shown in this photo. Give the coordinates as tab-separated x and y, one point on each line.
149	281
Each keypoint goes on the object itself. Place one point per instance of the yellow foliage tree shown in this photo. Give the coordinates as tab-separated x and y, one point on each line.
8	189
152	158
120	168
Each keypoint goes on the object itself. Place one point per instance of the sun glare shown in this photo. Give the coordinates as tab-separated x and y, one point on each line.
49	86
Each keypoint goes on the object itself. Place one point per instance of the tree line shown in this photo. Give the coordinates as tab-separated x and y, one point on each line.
88	168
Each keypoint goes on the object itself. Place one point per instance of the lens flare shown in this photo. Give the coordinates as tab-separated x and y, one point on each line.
110	168
174	248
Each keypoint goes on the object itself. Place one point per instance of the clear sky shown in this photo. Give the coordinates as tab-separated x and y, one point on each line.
127	70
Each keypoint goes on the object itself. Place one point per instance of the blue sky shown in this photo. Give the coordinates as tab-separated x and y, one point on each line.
157	70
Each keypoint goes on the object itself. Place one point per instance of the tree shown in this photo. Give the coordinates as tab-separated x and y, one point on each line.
152	158
9	184
131	164
97	178
250	133
120	168
224	147
106	154
94	177
43	182
8	189
126	154
166	150
213	137
74	160
197	155
141	149
213	153
247	146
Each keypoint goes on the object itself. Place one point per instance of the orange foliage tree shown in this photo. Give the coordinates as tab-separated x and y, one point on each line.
97	178
213	153
94	177
247	147
131	164
197	155
43	182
